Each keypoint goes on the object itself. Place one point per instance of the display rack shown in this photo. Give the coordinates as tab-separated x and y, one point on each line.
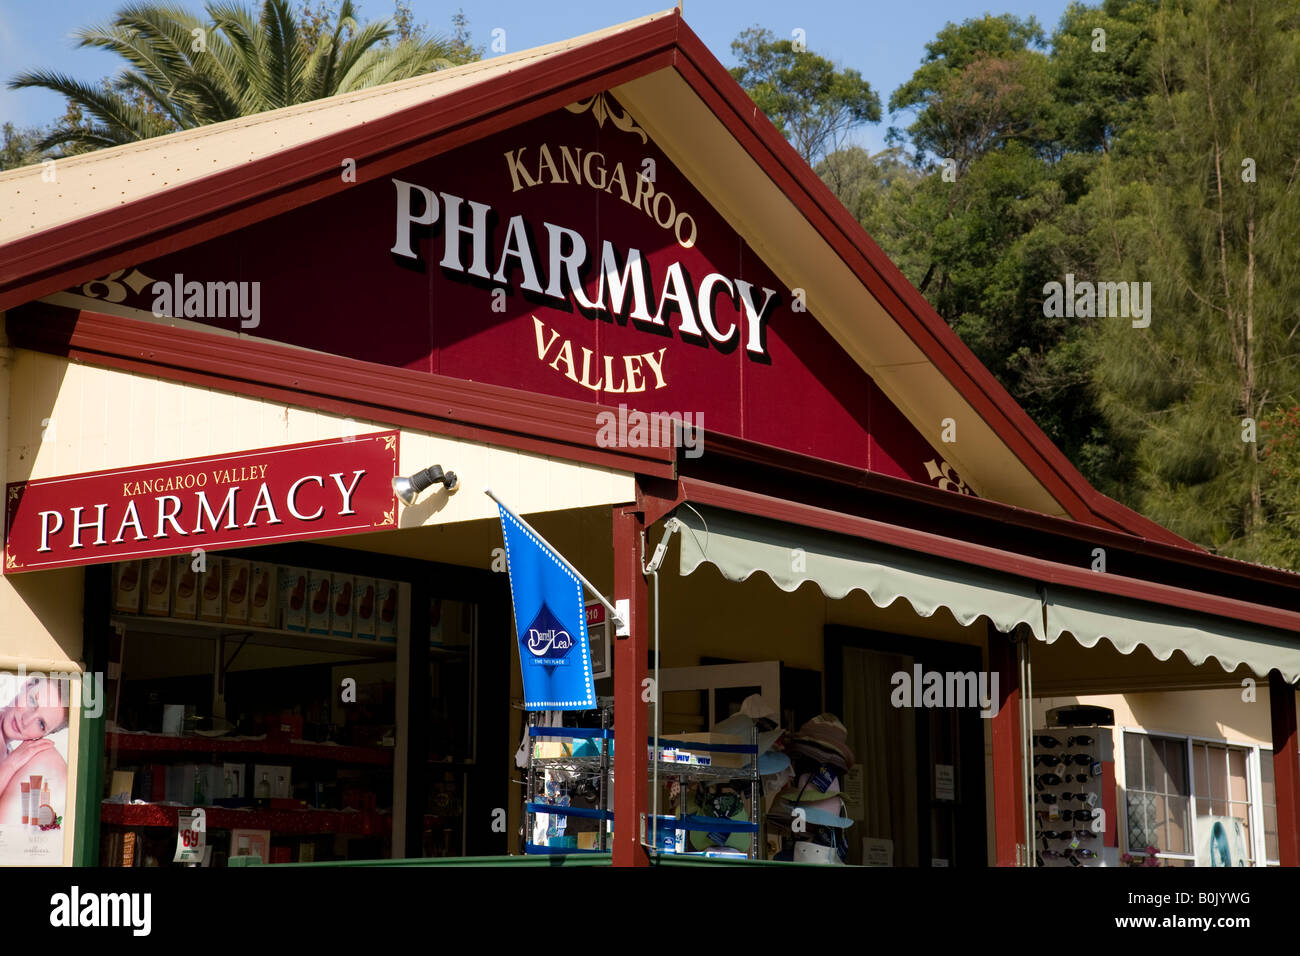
1085	844
597	767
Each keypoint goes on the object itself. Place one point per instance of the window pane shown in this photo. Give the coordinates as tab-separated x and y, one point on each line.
1237	775
1176	763
1202	770
1178	834
1266	777
1134	773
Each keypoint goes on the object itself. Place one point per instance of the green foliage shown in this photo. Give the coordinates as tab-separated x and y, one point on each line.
811	101
184	70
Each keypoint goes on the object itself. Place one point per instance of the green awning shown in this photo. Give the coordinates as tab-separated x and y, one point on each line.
1126	623
740	545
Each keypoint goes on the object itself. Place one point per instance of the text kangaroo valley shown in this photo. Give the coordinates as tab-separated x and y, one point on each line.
726	311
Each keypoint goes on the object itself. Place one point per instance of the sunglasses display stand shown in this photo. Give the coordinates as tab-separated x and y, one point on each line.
1071	771
566	760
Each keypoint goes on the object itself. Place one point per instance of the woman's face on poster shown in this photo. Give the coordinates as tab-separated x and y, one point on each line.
35	712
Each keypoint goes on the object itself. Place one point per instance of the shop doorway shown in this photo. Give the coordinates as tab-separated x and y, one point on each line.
922	768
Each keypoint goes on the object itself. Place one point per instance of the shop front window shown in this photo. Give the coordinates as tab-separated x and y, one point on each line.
1200	802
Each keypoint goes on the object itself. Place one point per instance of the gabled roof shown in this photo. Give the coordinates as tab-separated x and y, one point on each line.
115	207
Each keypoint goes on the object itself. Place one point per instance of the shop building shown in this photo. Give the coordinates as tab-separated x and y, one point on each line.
592	278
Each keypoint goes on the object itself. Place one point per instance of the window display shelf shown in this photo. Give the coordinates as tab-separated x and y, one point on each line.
266	636
149	744
304	822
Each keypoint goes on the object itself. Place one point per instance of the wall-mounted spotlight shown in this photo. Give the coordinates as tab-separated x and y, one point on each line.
408	489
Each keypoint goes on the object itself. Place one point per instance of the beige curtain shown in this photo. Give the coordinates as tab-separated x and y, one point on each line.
883	738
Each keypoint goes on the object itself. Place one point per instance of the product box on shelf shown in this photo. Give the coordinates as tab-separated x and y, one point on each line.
293	599
320	584
236	571
366	605
262	595
185	588
158	586
342	605
211	588
716	758
126	587
386	616
278	781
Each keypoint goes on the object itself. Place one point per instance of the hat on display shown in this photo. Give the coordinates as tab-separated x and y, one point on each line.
742	725
823	739
727	804
818	797
760	708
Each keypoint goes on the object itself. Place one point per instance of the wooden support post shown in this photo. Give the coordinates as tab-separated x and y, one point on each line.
1286	768
631	716
1008	774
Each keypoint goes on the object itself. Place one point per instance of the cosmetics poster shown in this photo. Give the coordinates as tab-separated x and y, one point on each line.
34	710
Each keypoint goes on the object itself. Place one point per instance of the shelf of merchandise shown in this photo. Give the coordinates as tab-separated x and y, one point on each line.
265	636
128	744
684	772
301	822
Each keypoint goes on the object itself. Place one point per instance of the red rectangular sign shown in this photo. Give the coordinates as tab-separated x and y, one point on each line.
310	490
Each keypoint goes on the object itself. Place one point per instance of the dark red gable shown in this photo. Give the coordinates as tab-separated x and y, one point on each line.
366	274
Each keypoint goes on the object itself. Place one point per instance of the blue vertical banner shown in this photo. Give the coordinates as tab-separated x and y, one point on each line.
550	621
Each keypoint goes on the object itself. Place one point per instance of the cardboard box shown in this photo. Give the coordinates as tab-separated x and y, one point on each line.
367	603
714	757
126	587
320	586
342	606
157	586
293	598
548	749
211	590
386	616
263	596
236	573
279	781
185	588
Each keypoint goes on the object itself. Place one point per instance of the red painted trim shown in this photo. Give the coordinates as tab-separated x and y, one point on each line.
185	215
1034	569
805	466
924	326
631	716
1286	768
1008	772
471	410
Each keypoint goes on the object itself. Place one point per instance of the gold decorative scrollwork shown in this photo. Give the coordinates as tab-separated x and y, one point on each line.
602	110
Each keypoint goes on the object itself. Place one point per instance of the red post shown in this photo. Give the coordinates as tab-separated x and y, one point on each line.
1286	768
631	716
1008	775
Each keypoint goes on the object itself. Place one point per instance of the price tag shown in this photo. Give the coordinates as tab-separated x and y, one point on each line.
191	836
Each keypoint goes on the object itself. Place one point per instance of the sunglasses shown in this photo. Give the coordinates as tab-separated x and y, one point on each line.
1076	778
1047	780
1050	743
1084	741
1049	760
1045	797
1083	797
1067	834
1081	759
1078	815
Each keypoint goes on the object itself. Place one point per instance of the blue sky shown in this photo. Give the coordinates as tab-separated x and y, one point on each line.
883	40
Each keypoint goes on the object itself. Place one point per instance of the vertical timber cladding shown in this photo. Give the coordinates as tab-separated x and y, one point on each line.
565	256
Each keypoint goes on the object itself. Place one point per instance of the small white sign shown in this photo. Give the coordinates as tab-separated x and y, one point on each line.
854	805
191	836
945	782
877	852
